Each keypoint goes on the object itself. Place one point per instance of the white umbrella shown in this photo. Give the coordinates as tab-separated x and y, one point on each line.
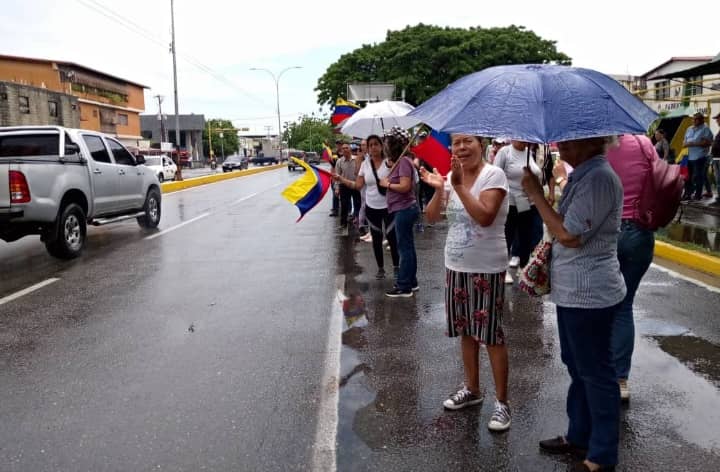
377	117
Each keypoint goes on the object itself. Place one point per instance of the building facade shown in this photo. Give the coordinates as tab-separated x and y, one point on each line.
22	105
191	131
105	103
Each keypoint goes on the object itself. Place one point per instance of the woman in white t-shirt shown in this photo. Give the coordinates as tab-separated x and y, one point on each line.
376	212
476	204
524	226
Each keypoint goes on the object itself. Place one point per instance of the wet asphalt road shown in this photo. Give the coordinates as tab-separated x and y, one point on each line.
205	347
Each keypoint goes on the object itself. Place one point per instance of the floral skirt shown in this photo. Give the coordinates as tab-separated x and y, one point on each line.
474	305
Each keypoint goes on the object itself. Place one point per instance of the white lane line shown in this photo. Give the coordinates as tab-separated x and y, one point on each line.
245	198
686	278
25	291
178	226
324	456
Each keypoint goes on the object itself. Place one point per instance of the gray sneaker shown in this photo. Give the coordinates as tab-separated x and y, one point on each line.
500	419
461	399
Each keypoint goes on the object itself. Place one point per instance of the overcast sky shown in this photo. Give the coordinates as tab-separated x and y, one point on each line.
227	38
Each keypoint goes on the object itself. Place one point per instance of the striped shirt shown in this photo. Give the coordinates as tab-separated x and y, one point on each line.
591	206
346	168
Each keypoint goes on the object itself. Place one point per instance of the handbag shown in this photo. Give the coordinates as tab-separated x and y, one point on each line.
535	276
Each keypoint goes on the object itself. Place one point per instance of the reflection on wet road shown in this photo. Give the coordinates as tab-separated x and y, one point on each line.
397	367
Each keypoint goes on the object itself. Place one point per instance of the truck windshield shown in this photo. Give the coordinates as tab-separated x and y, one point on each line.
28	145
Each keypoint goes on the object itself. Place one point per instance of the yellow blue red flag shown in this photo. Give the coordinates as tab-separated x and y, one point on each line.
343	110
308	190
327	154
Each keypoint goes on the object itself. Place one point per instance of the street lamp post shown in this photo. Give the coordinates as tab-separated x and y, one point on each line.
277	97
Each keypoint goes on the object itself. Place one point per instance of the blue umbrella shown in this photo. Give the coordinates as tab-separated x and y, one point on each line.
538	103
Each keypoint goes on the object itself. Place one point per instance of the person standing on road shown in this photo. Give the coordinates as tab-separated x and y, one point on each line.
588	289
376	212
631	161
662	147
697	139
402	205
346	167
715	156
476	202
335	157
524	225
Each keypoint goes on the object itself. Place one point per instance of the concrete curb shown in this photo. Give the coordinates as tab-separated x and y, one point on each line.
693	259
208	179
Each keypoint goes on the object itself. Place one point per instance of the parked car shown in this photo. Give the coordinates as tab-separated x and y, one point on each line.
162	165
235	162
261	160
54	181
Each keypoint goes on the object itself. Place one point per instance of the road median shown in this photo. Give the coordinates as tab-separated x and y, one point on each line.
169	187
692	259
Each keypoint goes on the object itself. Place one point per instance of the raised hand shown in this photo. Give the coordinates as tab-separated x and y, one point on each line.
434	179
456	178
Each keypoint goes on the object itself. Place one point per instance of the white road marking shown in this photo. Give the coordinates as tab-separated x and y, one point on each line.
686	278
25	291
240	200
173	228
324	454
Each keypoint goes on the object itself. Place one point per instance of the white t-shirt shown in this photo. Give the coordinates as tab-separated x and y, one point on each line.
470	247
512	162
373	198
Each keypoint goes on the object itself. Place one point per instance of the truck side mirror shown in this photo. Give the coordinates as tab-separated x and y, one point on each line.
140	159
71	148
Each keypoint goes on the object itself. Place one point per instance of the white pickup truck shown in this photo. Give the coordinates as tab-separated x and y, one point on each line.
54	181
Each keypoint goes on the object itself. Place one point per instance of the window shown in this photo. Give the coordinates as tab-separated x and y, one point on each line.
24	103
53	108
94	113
97	149
30	145
662	90
122	156
695	85
122	119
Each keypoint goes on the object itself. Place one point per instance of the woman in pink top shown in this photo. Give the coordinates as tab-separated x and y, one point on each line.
631	160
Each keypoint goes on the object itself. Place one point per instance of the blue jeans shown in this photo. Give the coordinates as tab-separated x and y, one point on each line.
593	401
404	223
696	178
523	231
635	252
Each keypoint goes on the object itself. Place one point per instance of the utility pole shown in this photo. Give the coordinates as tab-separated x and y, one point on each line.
162	121
178	176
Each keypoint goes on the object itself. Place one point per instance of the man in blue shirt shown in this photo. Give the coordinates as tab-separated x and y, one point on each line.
697	139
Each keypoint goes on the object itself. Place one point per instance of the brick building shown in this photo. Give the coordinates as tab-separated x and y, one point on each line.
25	105
104	102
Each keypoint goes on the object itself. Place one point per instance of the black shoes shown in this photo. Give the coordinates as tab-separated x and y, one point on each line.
559	445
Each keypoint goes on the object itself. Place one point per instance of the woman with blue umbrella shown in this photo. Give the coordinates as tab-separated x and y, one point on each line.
578	109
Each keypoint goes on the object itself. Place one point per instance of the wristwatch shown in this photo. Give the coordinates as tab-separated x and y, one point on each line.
559	180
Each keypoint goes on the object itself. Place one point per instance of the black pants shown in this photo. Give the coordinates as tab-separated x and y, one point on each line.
696	178
348	195
525	229
377	219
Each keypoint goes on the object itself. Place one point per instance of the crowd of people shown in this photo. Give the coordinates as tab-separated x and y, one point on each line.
497	201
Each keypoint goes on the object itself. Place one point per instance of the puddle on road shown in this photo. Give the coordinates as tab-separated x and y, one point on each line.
687	233
699	355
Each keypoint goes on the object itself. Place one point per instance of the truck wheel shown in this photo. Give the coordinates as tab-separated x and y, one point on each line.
152	210
68	239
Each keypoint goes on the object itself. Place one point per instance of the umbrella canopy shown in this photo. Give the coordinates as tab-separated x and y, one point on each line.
377	117
539	103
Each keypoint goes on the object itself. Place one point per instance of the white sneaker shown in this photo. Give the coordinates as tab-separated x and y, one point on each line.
508	278
500	420
514	261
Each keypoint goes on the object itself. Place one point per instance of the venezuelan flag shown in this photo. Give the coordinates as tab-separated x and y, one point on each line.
327	154
343	110
435	150
308	190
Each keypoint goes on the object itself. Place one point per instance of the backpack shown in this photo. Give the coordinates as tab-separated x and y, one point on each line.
660	196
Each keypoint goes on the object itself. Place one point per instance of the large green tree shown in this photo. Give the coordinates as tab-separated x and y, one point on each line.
423	59
308	133
228	143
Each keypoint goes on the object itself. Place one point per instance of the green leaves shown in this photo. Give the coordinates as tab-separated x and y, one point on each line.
308	133
228	143
424	59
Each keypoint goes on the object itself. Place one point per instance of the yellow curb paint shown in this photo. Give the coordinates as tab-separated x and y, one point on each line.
692	259
209	179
